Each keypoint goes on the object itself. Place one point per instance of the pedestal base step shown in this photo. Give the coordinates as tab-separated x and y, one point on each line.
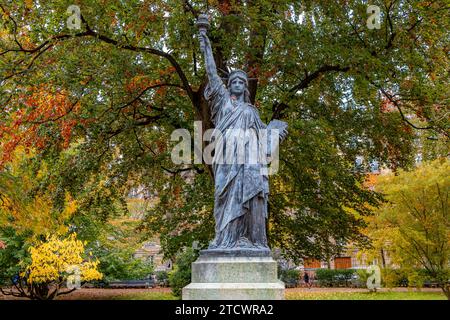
234	269
234	291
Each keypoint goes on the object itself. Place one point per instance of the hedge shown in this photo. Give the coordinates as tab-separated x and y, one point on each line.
334	277
290	277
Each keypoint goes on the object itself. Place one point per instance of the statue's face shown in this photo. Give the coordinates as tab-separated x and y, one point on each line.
237	86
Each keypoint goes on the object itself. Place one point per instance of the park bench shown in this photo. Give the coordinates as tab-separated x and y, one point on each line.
291	283
146	283
430	284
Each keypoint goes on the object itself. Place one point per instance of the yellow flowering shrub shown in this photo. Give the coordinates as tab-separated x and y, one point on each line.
51	260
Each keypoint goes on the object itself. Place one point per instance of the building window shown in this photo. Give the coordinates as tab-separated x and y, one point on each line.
342	263
359	263
311	264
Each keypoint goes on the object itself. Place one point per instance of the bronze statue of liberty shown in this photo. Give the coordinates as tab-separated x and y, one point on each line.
241	187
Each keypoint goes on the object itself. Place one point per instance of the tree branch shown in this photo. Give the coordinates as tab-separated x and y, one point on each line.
174	172
91	33
190	8
312	76
279	107
397	105
153	51
65	292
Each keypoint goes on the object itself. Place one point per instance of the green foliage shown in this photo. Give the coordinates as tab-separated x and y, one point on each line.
415	279
14	256
414	225
27	215
334	277
362	277
180	276
98	202
162	278
131	75
392	278
406	277
115	246
119	264
289	276
183	213
162	275
325	277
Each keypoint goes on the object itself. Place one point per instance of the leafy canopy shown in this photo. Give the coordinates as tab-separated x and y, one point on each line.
414	225
132	73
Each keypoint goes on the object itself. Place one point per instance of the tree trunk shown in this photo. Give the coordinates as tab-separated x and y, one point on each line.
383	260
446	289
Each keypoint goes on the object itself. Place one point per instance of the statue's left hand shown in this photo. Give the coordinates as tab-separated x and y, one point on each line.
281	126
283	134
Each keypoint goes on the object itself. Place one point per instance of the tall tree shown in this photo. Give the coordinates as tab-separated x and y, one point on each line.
414	225
130	74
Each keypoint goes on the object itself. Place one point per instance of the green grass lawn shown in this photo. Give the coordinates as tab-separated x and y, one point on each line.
392	295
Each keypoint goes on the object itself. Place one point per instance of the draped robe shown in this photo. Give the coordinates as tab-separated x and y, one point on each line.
241	189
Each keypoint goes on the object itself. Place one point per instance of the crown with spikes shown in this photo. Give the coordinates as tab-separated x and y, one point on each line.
237	73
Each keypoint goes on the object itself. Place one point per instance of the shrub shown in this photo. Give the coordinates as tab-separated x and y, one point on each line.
344	275
162	275
334	277
325	277
162	278
359	279
119	264
406	277
362	275
180	276
394	277
416	279
14	255
54	263
290	277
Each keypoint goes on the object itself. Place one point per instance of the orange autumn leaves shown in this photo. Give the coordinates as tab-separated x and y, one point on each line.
141	82
29	112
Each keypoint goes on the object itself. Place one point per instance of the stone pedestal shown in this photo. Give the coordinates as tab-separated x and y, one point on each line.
234	275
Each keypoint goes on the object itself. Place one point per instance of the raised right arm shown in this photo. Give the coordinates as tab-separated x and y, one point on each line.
210	64
215	92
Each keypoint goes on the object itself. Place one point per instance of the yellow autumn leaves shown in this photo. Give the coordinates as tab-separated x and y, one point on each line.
51	260
60	255
37	213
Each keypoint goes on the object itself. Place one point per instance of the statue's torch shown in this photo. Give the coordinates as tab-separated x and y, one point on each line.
202	25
